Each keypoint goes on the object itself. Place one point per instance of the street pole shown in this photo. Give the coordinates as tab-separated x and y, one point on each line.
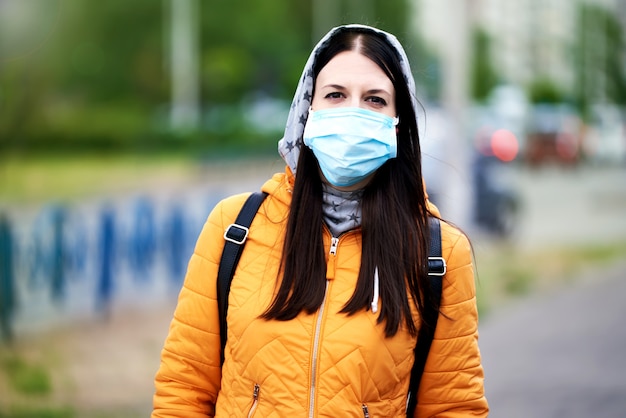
455	56
184	46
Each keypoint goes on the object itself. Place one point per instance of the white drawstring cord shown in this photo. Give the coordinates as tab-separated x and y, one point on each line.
375	298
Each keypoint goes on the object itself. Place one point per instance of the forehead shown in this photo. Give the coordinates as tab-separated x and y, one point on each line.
349	67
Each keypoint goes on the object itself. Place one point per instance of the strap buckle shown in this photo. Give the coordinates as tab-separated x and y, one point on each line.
437	266
236	234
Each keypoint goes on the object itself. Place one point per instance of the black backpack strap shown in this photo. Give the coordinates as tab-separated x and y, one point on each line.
436	271
235	238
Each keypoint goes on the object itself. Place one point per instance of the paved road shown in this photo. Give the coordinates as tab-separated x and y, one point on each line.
560	354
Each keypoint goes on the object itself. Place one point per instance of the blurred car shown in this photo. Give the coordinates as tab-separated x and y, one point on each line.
554	135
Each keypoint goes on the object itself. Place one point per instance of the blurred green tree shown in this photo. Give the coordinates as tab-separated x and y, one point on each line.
99	77
483	74
599	58
545	90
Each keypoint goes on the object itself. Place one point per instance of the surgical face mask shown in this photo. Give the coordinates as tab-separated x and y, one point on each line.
350	143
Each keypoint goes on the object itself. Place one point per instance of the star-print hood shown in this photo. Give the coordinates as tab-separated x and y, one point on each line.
342	210
289	145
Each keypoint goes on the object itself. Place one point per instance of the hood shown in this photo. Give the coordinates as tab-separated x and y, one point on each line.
289	145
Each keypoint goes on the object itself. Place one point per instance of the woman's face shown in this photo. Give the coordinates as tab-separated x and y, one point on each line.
350	79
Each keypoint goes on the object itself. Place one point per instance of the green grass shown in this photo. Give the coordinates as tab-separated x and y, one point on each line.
32	384
41	178
505	272
25	378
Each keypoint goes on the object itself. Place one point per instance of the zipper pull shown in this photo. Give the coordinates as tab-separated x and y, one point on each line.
332	257
333	245
255	400
366	412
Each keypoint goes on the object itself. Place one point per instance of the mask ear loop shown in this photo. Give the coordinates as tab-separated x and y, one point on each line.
376	292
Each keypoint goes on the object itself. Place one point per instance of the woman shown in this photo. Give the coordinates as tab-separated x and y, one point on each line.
325	304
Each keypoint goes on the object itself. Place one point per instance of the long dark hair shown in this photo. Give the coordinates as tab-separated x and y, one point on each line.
394	214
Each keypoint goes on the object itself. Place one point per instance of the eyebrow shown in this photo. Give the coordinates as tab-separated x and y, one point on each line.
378	91
371	91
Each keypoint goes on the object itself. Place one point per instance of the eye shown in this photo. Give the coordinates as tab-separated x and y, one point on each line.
376	101
334	95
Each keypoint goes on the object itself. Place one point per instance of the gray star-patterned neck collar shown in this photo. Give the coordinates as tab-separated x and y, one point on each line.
289	145
342	210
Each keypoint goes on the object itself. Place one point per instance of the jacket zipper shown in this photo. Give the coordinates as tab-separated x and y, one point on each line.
366	412
316	343
318	326
255	400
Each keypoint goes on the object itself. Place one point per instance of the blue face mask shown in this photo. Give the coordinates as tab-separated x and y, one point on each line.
350	143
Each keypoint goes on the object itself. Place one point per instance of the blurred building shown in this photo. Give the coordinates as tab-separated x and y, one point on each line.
530	38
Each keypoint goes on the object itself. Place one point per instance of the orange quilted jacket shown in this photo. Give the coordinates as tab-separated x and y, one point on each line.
321	365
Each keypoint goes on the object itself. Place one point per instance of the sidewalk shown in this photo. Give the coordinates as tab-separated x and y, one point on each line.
561	353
